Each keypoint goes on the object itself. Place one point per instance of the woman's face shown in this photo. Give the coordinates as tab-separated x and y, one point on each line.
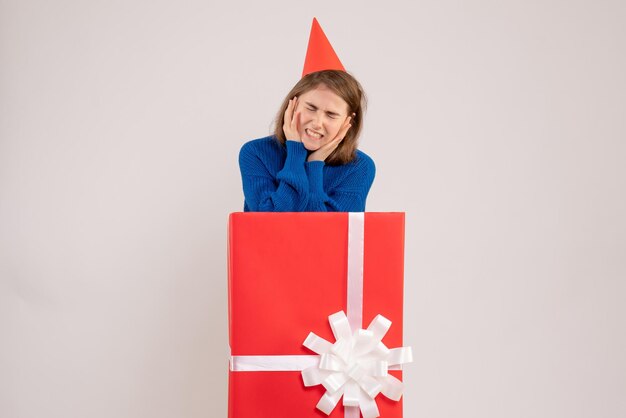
322	114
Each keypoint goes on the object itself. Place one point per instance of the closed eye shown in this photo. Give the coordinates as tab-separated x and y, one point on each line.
311	107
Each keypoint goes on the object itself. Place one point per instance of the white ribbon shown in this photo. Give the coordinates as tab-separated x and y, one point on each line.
355	366
356	245
272	363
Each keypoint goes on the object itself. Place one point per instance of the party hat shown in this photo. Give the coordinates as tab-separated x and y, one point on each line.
320	54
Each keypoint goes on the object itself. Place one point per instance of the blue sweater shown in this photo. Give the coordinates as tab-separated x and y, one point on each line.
278	178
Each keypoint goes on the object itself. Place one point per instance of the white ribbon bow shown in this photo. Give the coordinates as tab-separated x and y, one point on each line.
355	366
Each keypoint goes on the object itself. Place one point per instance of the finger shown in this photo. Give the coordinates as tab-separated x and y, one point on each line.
345	123
330	147
343	131
295	106
290	109
297	123
288	114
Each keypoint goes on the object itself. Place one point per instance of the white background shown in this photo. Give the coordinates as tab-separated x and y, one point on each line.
499	127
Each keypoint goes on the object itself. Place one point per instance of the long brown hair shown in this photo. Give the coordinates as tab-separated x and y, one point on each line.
344	86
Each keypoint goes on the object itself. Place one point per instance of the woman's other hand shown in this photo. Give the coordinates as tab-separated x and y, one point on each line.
292	121
325	150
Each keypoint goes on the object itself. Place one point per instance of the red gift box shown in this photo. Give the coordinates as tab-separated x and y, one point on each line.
287	274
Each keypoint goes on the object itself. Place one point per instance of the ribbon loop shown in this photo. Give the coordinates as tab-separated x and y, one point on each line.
343	348
379	327
370	385
334	382
368	406
313	376
381	350
351	395
364	342
317	344
401	355
328	402
392	388
340	326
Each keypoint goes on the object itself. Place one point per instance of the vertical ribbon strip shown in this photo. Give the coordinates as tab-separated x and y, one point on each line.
354	304
356	249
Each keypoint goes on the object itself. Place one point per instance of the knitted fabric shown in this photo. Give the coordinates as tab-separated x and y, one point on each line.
278	178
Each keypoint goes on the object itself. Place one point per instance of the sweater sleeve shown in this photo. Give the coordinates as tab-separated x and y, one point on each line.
288	192
348	195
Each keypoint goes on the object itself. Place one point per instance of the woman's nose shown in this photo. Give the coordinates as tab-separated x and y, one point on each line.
317	121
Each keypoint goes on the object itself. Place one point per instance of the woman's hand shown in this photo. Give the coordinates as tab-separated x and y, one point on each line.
325	150
291	122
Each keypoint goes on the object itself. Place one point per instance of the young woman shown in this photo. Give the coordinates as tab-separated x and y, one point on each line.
311	163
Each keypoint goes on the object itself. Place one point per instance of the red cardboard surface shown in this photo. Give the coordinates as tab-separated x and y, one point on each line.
287	274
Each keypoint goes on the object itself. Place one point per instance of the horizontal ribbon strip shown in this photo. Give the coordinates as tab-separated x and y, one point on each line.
278	363
272	363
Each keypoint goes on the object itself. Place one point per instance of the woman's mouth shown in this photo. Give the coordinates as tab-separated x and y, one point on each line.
313	134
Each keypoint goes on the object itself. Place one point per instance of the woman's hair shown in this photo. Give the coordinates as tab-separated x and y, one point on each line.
344	86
